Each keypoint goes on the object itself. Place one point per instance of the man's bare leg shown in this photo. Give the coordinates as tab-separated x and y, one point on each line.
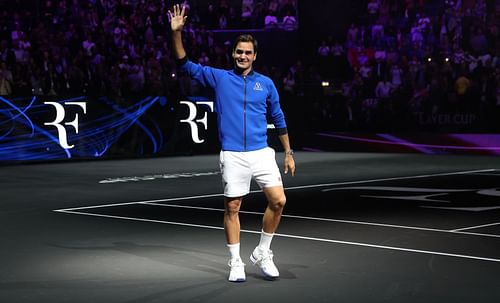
232	230
232	219
276	200
262	254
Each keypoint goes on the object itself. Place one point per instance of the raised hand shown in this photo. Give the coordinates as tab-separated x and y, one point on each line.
177	18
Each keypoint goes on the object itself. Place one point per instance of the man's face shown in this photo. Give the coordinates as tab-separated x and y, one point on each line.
244	55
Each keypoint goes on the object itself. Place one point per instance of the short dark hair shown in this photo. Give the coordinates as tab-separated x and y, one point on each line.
246	38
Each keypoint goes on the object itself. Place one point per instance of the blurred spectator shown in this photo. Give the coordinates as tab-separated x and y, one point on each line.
7	55
396	75
373	10
88	46
289	21
289	83
384	88
5	85
6	73
478	42
271	20
323	50
365	70
352	36
204	59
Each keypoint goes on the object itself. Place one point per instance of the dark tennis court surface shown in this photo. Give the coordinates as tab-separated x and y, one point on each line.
357	227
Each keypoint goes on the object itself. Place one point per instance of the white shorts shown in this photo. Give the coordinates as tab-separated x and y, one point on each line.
238	169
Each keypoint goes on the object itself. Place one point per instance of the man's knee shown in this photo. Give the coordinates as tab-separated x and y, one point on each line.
232	207
278	203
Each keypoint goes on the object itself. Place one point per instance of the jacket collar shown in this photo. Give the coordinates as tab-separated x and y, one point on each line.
238	72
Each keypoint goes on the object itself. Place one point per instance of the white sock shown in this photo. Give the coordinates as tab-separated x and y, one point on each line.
234	250
265	240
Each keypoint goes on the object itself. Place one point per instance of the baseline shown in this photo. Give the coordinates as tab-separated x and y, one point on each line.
454	231
394	248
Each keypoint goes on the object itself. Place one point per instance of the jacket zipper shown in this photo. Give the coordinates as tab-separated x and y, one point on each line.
245	112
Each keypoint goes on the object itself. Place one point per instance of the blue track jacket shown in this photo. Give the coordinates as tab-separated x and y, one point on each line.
242	103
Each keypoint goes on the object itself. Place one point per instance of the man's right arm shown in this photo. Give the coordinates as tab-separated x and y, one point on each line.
178	47
177	21
205	75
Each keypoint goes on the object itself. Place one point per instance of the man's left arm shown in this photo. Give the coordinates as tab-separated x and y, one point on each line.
279	122
289	161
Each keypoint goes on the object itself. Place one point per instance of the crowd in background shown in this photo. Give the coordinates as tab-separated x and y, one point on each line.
415	63
118	48
401	62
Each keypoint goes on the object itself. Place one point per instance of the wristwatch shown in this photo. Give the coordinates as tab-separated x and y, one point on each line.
289	152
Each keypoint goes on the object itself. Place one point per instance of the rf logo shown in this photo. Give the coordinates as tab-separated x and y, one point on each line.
60	115
193	112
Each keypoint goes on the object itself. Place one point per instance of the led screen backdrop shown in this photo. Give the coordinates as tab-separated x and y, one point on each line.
37	128
42	129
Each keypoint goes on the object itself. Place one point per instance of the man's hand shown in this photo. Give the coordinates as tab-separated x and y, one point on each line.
177	18
289	164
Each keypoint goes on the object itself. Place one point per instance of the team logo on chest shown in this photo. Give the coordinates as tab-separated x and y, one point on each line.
257	86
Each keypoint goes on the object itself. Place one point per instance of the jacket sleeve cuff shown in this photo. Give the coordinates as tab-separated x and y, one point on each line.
282	131
182	61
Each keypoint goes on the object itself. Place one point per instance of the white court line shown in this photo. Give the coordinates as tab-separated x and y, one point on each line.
73	211
303	187
416	177
487	174
477	226
286	188
140	202
331	220
154	202
295	237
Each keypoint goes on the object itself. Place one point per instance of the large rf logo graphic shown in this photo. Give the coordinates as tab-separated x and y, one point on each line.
193	113
60	116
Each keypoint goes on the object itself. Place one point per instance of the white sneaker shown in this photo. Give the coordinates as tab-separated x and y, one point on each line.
237	272
264	259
